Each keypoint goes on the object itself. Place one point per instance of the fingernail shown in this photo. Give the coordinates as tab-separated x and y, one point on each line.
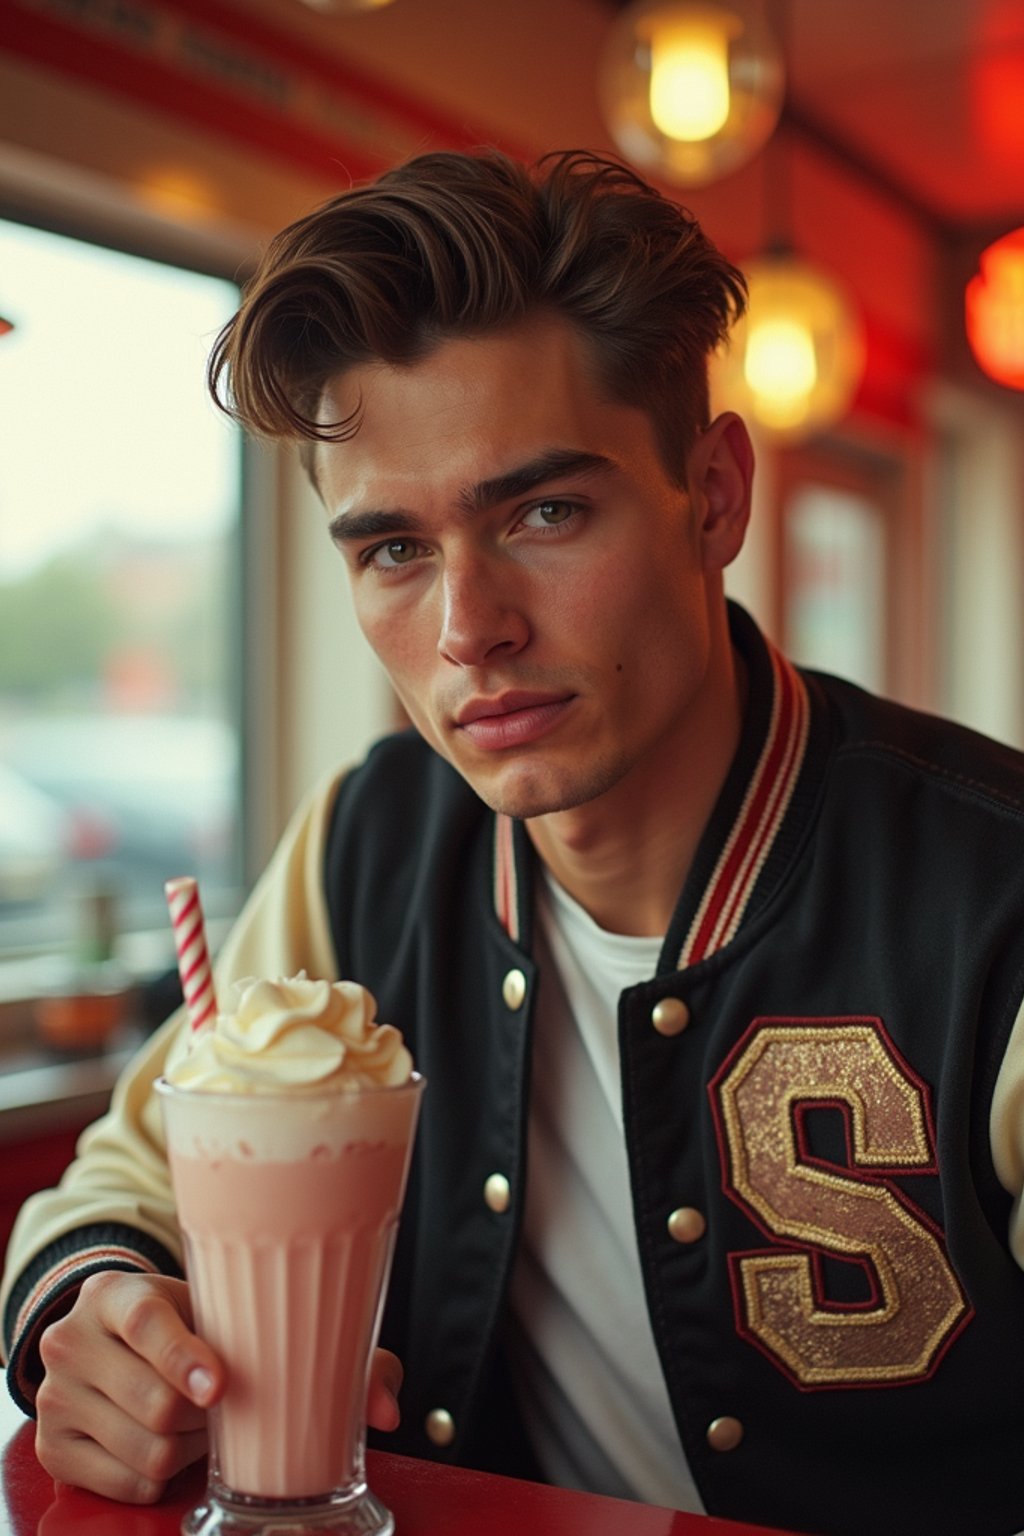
200	1385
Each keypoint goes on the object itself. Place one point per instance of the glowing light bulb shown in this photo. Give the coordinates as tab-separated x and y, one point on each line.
691	88
780	359
796	358
995	311
689	81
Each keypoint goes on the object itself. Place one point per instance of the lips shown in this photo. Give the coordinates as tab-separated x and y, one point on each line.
512	719
505	704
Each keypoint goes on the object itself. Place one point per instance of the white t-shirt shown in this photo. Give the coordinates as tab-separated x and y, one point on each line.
587	1372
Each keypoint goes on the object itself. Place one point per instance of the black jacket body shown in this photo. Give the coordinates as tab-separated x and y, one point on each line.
852	1302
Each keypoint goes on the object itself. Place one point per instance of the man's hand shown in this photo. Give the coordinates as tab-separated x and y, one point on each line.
385	1384
122	1406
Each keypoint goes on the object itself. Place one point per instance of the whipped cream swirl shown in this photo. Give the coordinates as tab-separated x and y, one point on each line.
294	1034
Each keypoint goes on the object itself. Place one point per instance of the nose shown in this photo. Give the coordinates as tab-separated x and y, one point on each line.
483	614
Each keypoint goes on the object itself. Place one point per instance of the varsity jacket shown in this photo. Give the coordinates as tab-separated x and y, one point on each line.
821	1110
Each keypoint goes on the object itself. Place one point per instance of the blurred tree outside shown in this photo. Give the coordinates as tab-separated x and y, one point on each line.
123	625
56	626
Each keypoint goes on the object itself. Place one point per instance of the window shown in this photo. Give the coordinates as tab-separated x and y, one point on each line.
852	569
836	595
120	582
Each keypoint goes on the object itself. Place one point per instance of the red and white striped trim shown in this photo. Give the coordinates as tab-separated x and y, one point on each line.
84	1259
506	885
768	795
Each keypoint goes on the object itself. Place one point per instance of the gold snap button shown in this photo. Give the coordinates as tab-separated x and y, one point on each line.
497	1193
724	1434
687	1224
440	1426
670	1016
513	989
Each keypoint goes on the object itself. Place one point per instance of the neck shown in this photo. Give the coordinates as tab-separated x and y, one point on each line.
625	856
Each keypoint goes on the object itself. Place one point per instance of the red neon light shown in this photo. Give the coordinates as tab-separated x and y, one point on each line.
994	304
997	102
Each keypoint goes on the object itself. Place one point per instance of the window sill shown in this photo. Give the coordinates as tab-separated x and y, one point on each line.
44	1088
42	1092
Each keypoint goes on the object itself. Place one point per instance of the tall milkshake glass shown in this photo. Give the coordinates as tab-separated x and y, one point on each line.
288	1204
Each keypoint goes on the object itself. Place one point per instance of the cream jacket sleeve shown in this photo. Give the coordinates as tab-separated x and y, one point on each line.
119	1179
1007	1132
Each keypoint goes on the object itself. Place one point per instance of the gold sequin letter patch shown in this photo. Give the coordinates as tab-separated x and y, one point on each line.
814	1209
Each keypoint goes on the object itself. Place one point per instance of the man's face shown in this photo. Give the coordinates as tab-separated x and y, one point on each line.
534	583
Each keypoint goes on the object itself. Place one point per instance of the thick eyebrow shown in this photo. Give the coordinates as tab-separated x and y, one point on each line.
350	527
553	464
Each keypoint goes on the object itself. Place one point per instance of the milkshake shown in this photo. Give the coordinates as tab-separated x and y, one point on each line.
289	1125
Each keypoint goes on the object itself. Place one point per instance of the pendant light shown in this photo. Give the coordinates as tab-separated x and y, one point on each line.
691	89
794	361
994	310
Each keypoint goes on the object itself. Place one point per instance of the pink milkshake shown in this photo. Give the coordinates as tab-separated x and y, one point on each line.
288	1195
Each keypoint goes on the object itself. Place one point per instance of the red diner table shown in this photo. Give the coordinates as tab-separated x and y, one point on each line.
426	1499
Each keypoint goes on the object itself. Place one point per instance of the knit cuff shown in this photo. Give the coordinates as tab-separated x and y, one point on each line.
48	1287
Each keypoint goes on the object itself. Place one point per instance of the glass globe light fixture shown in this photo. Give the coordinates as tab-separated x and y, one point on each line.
689	89
794	361
994	310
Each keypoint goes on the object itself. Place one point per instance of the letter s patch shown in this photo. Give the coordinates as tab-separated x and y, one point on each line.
815	1210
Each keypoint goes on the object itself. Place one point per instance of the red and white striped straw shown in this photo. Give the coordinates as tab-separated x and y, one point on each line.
193	955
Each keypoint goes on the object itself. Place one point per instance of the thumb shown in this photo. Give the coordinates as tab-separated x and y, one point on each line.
158	1326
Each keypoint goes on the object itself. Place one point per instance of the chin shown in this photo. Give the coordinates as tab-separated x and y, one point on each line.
524	795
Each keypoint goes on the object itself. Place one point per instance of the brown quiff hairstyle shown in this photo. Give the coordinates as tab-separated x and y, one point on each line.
457	244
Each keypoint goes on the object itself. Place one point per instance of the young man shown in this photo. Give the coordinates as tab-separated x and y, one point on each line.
713	966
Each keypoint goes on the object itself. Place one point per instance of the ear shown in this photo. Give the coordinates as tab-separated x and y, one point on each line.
720	478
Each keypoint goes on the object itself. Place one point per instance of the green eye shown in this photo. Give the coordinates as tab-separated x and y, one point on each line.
391	555
400	551
554	512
